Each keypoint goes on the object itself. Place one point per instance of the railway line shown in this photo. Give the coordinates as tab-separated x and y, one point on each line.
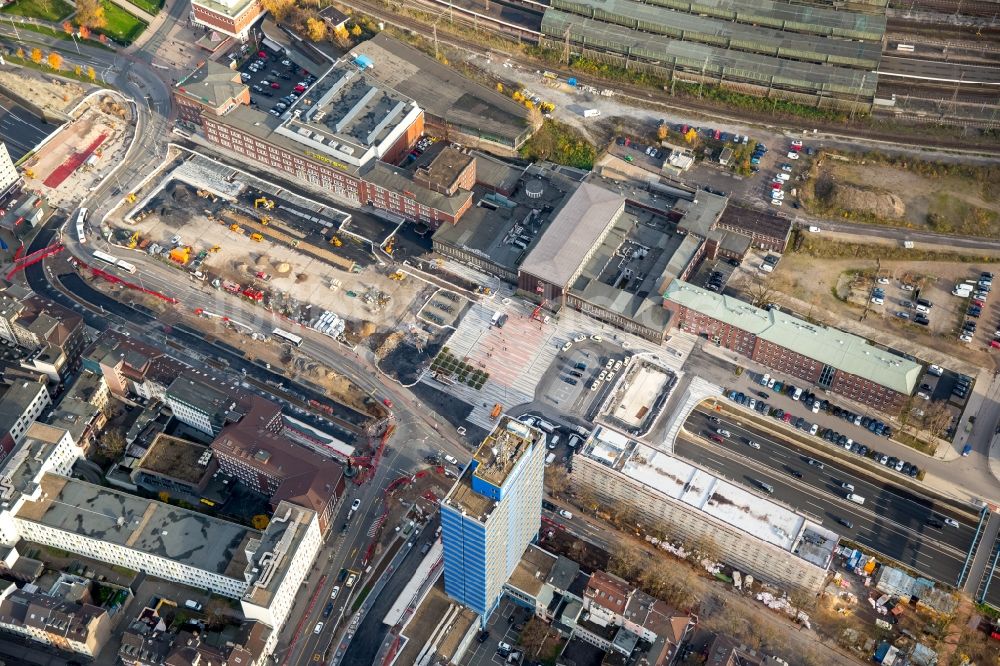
983	8
647	96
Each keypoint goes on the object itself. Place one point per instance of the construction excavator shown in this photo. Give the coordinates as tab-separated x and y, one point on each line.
390	246
265	202
265	220
133	240
335	241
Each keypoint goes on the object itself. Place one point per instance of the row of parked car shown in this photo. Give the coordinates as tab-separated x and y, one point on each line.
828	434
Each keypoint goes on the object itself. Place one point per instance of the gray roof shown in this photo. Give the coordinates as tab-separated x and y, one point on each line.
398	180
15	399
839	349
212	83
144	525
580	224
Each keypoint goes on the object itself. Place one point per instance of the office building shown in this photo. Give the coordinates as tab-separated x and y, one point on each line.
131	368
830	358
492	513
258	451
80	628
53	334
753	534
8	172
202	405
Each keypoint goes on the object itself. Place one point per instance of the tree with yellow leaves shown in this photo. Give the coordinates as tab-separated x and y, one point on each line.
90	13
91	74
499	87
661	132
316	29
341	35
20	53
77	70
67	27
279	9
55	60
36	56
356	31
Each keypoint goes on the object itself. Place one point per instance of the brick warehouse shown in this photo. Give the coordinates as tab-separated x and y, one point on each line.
827	357
345	138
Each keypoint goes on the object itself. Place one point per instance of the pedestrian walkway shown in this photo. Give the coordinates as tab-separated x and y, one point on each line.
697	389
982	567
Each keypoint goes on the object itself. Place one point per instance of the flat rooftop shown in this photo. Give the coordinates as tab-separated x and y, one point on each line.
838	349
21	469
532	570
607	446
177	458
734	505
492	462
627	273
145	525
277	548
506	228
445	94
351	113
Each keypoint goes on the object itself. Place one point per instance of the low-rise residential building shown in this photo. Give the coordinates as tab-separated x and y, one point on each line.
21	403
53	335
830	358
80	628
83	408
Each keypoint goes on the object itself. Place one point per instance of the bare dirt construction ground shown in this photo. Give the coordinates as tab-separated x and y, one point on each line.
104	116
961	200
833	291
47	92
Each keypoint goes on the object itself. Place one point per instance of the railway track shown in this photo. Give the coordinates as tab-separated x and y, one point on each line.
648	96
983	8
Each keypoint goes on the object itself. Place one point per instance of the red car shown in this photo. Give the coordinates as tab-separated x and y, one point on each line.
995	344
300	88
717	439
261	54
387	402
275	86
979	302
775	186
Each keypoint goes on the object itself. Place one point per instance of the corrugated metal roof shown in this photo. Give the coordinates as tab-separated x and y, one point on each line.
577	227
839	349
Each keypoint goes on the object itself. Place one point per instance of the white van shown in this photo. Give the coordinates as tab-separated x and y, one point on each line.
546	426
549	459
935	370
192	604
554	442
857	499
451	459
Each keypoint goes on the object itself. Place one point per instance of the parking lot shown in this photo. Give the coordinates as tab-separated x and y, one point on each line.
274	80
502	627
579	378
714	274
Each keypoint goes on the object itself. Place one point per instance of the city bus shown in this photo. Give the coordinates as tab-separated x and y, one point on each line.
285	336
81	219
105	257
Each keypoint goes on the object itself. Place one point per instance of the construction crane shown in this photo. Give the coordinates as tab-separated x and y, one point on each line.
265	202
534	315
390	246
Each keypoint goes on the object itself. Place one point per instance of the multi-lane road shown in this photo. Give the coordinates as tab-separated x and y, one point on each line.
897	522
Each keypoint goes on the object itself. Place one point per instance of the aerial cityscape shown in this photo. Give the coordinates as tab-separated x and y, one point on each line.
486	332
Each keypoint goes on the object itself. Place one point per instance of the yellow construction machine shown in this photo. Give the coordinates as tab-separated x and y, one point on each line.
265	202
256	237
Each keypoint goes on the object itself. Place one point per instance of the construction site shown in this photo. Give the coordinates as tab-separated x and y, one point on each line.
81	154
258	251
639	399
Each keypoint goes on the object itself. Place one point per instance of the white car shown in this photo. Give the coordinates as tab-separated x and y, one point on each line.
580	338
566	346
951	522
776	202
816	407
778	194
965	338
877	300
753	445
319	628
723	433
814	229
356	504
596	338
335	592
565	514
814	429
792	155
797	143
751	403
782	177
786	167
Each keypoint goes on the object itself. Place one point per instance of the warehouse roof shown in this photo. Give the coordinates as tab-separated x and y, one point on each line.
581	222
443	92
737	36
839	349
713	61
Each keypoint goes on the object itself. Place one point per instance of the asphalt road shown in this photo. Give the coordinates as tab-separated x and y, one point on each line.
21	129
892	520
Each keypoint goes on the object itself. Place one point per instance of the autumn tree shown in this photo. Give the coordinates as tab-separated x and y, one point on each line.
55	60
356	31
112	443
279	9
83	32
91	74
937	418
316	29
36	56
556	480
760	289
90	13
626	560
217	612
67	27
533	636
20	53
77	70
661	132
260	521
341	35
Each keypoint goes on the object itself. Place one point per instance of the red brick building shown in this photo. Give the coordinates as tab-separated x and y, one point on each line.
832	359
231	17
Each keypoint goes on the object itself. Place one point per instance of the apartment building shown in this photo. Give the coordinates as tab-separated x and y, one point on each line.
492	513
8	172
21	403
832	359
80	628
53	334
202	405
234	18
